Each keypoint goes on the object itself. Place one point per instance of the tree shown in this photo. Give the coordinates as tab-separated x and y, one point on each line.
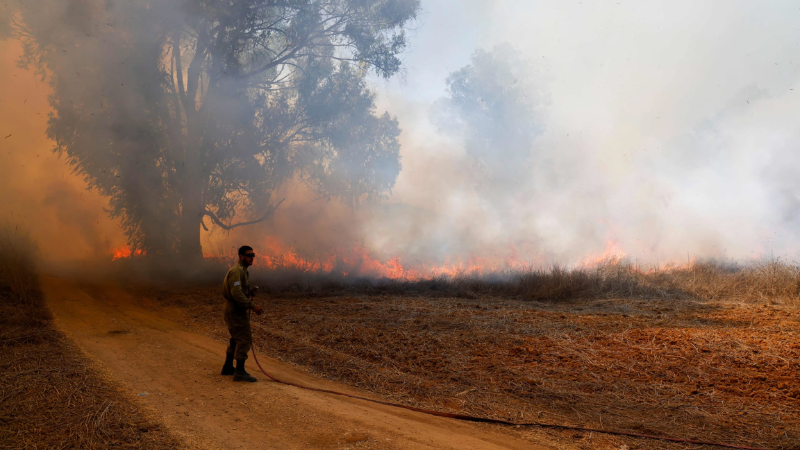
496	107
360	155
190	111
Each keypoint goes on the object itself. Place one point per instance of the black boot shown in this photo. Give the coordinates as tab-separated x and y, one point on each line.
228	368
240	374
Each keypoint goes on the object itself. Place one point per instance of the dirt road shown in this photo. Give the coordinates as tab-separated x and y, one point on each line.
175	373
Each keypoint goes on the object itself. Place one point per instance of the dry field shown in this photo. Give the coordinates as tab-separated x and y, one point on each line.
51	396
712	355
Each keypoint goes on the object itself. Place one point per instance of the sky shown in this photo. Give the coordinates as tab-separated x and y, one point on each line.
670	130
673	126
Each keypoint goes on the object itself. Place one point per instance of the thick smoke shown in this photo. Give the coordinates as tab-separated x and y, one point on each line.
669	133
201	113
40	194
540	133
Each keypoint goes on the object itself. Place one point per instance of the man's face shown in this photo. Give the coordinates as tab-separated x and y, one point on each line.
248	258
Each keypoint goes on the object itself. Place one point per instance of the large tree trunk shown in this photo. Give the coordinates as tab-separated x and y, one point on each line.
189	247
192	205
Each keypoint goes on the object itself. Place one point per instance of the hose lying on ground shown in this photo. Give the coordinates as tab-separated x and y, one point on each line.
497	421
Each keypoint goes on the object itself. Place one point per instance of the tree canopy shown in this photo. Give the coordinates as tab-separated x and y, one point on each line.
192	112
496	107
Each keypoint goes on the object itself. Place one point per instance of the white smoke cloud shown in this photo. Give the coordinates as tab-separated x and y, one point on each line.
672	130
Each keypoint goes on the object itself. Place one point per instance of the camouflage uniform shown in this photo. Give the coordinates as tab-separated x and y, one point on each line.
236	290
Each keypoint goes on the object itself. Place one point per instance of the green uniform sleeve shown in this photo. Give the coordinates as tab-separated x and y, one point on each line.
235	283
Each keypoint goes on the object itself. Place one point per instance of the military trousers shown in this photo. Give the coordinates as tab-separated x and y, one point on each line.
241	334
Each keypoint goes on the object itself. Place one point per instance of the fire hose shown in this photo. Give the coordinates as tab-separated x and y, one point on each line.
497	421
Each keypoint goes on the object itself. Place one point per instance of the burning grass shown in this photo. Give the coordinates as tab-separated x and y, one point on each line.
608	276
770	280
50	397
705	351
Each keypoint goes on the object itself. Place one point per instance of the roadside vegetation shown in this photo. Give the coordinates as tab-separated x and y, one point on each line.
51	396
767	280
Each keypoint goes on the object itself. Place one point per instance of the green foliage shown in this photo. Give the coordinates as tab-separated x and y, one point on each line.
497	105
180	111
357	154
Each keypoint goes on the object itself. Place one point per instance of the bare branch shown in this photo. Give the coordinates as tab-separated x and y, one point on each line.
225	226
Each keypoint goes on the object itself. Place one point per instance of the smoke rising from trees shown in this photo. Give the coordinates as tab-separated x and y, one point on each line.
663	131
184	113
667	133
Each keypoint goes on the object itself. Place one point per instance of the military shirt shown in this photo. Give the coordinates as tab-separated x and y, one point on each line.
236	287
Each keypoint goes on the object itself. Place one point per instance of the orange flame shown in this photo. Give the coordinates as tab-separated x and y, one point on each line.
358	262
612	254
125	252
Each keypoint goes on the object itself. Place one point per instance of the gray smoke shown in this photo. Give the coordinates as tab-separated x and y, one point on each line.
549	132
670	131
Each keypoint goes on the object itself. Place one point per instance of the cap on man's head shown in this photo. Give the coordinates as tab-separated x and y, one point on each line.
244	249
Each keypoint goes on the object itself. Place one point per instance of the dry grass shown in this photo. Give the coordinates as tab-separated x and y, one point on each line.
707	351
50	397
768	280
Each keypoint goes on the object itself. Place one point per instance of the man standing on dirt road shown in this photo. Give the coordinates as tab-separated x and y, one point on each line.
236	290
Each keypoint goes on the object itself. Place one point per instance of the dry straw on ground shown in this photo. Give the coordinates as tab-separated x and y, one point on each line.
708	351
50	397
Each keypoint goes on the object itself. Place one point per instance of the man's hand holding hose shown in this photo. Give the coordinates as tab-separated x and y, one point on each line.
256	309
